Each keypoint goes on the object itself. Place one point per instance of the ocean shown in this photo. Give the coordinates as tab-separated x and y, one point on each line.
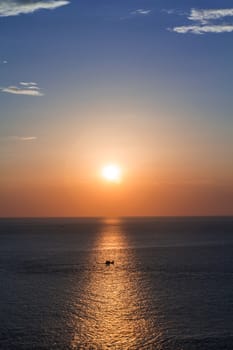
170	287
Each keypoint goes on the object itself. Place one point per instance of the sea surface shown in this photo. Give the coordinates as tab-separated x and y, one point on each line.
170	287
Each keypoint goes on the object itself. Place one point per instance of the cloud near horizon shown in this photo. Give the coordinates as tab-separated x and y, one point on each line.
17	7
204	21
28	89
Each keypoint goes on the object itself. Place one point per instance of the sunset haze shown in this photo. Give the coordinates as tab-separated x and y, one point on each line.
144	84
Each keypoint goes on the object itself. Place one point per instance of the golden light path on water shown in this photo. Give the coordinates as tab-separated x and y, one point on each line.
113	312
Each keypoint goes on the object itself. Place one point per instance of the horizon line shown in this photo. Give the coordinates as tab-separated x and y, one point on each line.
116	217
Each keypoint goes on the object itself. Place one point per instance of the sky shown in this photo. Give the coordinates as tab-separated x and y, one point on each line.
145	84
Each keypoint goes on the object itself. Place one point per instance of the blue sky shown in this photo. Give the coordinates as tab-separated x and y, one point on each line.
70	69
102	43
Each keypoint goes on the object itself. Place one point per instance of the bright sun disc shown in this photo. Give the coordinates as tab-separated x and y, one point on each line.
111	173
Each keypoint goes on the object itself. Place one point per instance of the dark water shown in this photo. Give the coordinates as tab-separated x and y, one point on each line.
171	286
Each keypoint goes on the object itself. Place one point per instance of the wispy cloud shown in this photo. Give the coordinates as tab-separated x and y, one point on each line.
204	16
142	12
18	138
17	7
207	21
24	88
23	138
3	62
136	13
28	84
196	29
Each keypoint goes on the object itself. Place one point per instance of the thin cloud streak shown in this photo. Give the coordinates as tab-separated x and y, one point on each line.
17	7
17	91
23	83
19	138
141	12
137	13
203	29
28	89
27	138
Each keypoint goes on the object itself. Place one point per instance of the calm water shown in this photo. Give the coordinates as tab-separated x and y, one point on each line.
171	286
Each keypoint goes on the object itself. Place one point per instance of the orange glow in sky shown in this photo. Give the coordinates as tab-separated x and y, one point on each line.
101	119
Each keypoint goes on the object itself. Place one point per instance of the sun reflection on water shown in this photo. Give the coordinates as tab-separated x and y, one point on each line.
110	312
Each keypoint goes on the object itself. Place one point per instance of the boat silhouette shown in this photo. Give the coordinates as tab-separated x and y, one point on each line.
109	262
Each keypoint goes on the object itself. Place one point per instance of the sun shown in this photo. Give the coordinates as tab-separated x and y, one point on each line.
111	173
